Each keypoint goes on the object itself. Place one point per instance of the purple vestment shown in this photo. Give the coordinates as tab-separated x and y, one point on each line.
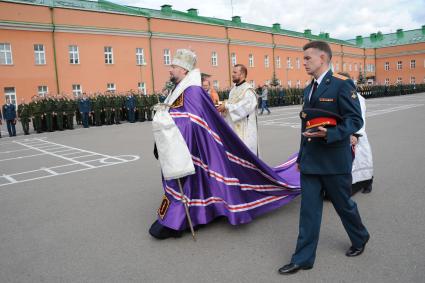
230	180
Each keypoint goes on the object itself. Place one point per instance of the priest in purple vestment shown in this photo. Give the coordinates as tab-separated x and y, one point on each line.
219	174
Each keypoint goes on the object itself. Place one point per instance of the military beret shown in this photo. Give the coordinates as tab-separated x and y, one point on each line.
315	118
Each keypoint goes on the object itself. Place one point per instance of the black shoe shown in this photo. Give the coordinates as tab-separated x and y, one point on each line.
367	189
292	268
353	251
161	232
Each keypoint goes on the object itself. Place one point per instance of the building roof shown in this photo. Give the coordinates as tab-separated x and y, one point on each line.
400	37
374	41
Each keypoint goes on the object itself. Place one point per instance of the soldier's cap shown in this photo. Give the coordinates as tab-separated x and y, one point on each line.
315	118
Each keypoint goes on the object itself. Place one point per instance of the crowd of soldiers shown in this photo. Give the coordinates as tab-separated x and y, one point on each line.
50	113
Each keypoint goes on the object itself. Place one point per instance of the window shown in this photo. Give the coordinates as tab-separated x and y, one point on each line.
399	80
251	61
278	62
5	54
42	90
74	57
10	94
387	81
167	56
39	54
355	67
298	83
109	55
266	61
252	83
288	63
387	66
111	87
76	90
214	60
399	65
142	87
233	56
372	67
412	64
289	83
297	62
216	85
140	56
413	80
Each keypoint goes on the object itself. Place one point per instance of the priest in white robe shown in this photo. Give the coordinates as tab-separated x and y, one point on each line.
240	110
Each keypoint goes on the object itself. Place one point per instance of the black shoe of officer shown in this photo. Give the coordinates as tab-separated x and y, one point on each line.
367	189
353	251
292	268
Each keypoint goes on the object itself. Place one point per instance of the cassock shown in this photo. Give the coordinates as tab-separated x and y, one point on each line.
241	114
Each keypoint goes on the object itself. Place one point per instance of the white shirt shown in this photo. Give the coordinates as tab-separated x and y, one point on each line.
319	80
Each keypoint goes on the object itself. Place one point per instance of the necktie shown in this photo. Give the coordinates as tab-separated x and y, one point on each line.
314	89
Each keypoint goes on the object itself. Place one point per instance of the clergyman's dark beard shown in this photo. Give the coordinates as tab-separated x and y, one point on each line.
173	80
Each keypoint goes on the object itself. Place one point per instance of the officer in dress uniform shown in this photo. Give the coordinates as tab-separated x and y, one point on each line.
325	158
9	114
84	106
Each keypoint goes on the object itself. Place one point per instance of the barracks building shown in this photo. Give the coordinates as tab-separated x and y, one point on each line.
75	46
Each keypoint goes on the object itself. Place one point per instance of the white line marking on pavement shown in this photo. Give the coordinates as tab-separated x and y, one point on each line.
102	161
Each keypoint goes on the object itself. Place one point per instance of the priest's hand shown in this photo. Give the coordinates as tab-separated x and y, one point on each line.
321	133
221	108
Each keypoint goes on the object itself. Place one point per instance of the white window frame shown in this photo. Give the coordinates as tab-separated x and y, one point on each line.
140	56
298	63
39	54
387	81
252	83
74	55
77	90
216	84
142	87
278	62
214	59
399	65
387	66
10	95
109	55
412	64
399	80
298	85
266	61
6	56
289	83
233	58
251	60
167	57
288	63
112	87
412	80
42	90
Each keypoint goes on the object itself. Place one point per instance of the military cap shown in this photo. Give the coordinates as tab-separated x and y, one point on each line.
315	118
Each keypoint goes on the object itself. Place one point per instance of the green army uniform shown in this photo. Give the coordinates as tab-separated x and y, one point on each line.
24	113
69	111
60	111
117	105
108	105
78	117
140	106
37	111
152	100
49	108
97	109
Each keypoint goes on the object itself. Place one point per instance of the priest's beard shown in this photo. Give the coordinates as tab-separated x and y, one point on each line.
174	80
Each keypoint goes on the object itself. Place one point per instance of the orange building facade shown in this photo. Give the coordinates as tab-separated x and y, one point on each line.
74	46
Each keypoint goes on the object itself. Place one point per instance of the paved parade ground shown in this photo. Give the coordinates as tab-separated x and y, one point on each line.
75	206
